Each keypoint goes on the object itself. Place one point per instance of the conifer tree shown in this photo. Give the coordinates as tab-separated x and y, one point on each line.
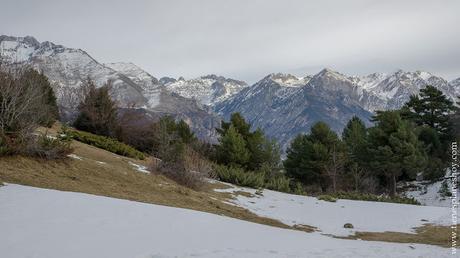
98	112
431	108
232	149
394	148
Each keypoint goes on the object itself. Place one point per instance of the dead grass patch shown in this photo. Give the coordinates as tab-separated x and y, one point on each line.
427	234
243	193
305	228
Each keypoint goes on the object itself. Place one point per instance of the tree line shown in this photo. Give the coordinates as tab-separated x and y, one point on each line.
401	144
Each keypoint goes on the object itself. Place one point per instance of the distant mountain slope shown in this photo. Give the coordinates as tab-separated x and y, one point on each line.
132	87
285	105
285	111
281	104
207	90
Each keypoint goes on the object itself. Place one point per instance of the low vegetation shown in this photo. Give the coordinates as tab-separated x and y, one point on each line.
48	147
333	197
257	179
106	143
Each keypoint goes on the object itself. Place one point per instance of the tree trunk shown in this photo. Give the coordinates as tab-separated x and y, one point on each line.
393	186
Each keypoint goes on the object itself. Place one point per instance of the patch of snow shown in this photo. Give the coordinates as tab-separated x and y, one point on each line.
428	194
139	168
73	156
53	224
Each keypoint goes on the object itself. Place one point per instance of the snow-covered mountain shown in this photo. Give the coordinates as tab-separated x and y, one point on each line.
281	104
285	105
207	90
66	68
132	87
284	111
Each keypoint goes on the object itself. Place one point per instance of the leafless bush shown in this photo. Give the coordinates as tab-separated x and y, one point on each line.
190	170
21	104
194	161
48	147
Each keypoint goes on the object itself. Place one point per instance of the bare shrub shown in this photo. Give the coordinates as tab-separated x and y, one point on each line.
21	105
195	162
48	147
187	168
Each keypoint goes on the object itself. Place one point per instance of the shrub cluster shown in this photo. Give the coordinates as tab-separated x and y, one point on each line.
367	197
48	147
107	143
257	179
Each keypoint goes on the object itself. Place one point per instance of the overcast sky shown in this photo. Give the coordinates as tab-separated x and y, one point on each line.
246	39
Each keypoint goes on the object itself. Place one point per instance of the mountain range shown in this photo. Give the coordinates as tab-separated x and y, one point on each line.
281	104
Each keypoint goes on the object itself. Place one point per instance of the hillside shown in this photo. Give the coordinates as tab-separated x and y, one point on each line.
112	222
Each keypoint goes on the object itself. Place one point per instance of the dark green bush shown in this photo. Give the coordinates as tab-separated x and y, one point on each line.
106	143
327	198
240	177
4	150
368	197
257	179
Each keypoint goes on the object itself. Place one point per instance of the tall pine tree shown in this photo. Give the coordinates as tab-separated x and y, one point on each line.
394	148
98	112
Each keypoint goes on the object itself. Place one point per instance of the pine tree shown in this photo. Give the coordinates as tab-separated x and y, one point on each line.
431	108
263	152
185	133
49	109
232	149
354	136
394	148
98	112
315	158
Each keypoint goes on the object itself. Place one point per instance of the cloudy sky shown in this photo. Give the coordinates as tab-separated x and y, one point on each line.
247	39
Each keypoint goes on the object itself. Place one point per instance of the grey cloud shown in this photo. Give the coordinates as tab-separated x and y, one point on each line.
248	39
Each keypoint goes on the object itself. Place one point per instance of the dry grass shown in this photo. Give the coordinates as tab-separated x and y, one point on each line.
427	234
305	228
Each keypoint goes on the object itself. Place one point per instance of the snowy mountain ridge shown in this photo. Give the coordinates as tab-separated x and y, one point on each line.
208	90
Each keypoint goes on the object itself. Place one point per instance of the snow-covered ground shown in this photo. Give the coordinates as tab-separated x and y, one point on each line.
428	194
330	217
37	222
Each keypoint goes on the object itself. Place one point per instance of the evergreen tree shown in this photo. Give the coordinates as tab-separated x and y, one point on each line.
185	133
262	151
240	124
394	148
49	109
311	158
431	108
232	149
354	136
98	112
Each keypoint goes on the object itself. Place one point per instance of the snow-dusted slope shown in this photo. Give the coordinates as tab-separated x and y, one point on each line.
285	110
208	90
136	74
67	68
132	87
52	224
